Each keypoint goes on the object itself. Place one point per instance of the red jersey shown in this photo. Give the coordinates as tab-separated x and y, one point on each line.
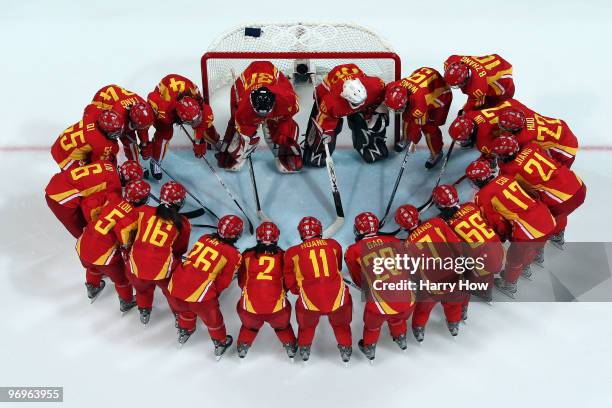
99	244
207	271
469	225
69	188
118	99
312	270
157	246
261	279
83	143
333	107
256	75
503	199
434	239
426	88
490	75
537	171
358	258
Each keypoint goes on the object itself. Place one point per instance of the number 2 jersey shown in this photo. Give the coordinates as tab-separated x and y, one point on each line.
312	270
261	279
207	271
157	245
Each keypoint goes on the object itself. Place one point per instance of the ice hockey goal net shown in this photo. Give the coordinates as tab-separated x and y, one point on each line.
296	48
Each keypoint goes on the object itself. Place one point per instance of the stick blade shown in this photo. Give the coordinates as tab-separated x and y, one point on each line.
332	229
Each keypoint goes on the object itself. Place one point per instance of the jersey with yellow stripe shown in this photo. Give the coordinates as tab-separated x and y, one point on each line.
261	279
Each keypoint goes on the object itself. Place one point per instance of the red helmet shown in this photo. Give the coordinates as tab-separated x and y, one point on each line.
456	74
172	193
511	119
141	115
396	97
267	232
188	110
461	129
407	216
366	224
309	227
505	145
136	190
130	170
111	123
478	170
445	195
230	227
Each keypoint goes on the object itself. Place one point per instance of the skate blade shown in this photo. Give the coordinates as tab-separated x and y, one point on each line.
346	364
530	278
505	292
560	247
292	360
539	265
304	363
371	362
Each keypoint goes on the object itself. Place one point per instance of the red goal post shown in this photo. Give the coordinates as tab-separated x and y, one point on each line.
285	44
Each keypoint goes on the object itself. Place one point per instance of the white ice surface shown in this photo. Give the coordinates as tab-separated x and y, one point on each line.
55	55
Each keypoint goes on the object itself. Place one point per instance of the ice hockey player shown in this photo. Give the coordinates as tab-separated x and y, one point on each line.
198	282
312	271
481	240
486	80
515	216
98	247
134	110
177	100
346	91
89	140
67	190
424	98
556	186
444	240
553	135
477	128
263	296
380	307
262	96
154	242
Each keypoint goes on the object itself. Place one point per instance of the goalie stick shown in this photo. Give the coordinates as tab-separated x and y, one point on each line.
331	172
187	191
397	181
260	214
225	187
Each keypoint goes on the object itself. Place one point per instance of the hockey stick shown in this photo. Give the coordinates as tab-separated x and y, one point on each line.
397	181
203	226
198	212
331	172
187	191
351	284
225	187
260	214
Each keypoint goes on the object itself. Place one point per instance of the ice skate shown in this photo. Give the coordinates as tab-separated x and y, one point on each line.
156	171
242	349
125	306
539	259
433	160
145	315
527	273
183	336
93	292
453	328
401	341
220	348
369	351
558	240
291	350
345	353
305	353
419	333
464	313
507	288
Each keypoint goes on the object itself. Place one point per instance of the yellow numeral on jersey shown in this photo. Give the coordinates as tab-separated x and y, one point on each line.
515	188
85	171
315	262
153	232
268	261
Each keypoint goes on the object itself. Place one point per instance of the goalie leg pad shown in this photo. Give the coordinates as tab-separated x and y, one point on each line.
314	151
371	145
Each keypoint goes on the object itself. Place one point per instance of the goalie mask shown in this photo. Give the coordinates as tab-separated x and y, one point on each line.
354	92
262	101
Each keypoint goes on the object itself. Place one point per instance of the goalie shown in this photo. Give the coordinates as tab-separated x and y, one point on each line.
347	91
262	95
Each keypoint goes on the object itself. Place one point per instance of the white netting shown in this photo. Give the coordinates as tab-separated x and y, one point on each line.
298	37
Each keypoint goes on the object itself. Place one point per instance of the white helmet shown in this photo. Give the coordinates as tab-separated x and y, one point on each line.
354	92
